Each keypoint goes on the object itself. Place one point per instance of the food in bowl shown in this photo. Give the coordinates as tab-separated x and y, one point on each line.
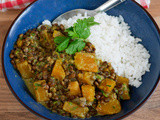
69	73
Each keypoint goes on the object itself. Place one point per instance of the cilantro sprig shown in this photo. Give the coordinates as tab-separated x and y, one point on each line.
77	34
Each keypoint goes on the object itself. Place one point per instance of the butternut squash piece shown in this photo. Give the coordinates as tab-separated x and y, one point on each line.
24	69
57	33
74	88
125	89
122	80
58	71
75	109
19	43
88	91
46	36
109	108
107	85
86	77
86	61
40	93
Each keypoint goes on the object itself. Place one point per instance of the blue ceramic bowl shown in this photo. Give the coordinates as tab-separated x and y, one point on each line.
142	26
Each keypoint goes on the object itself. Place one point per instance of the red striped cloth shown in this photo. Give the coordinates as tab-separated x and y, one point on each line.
20	4
144	3
14	4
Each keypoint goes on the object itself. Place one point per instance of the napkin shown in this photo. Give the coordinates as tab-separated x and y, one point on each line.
21	4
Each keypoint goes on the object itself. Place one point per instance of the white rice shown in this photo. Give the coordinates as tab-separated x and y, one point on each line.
114	43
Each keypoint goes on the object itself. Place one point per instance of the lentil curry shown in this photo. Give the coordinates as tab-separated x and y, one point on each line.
76	85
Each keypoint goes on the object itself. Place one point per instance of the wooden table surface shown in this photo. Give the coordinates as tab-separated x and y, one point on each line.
11	109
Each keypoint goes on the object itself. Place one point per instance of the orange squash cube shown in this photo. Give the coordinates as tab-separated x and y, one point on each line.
75	109
19	43
74	88
122	80
86	77
125	89
25	69
57	33
107	85
58	71
86	61
41	94
109	108
88	91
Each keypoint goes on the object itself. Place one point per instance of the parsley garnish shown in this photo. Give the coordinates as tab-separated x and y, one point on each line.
36	88
55	102
75	46
104	93
37	84
78	33
121	97
116	90
74	108
109	85
33	34
124	88
70	103
98	77
21	38
113	107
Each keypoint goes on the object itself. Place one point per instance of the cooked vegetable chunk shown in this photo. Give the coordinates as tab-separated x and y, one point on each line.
107	85
57	33
75	109
88	91
58	71
74	88
122	80
24	69
86	77
45	35
19	43
108	108
124	92
40	92
86	61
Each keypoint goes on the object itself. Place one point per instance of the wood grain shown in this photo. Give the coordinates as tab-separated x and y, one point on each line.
11	109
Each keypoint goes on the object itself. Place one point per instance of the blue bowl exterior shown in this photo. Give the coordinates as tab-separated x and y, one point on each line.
140	23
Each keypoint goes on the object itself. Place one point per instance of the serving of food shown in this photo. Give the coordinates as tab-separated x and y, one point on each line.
83	66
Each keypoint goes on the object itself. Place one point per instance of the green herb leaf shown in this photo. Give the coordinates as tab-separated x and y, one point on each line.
17	51
63	45
123	88
121	97
55	102
116	90
36	88
70	103
78	32
90	21
37	84
104	93
98	77
33	34
60	39
21	38
113	107
69	29
82	29
108	85
74	108
74	46
73	34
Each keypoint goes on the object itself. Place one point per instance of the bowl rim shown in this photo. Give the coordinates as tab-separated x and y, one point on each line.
39	115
